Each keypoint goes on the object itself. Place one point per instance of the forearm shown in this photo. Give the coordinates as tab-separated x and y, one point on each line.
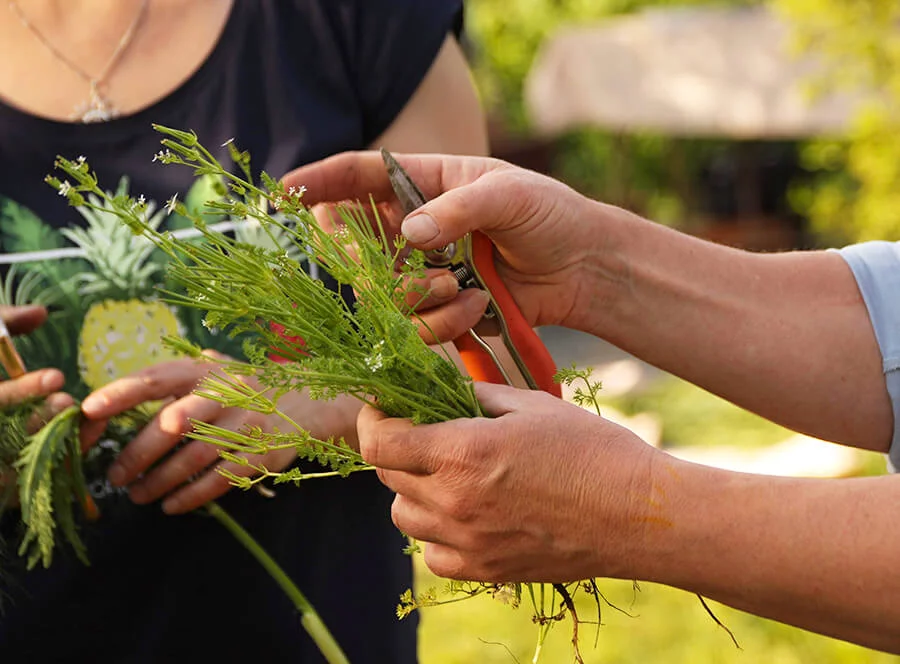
818	554
784	335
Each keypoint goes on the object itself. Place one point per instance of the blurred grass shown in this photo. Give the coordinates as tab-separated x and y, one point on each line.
692	416
668	626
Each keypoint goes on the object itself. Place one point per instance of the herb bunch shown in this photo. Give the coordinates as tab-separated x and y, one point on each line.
369	349
301	335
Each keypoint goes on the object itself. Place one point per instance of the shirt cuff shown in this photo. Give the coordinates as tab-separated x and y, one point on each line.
876	267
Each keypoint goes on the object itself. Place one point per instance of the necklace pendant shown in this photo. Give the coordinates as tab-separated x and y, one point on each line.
97	109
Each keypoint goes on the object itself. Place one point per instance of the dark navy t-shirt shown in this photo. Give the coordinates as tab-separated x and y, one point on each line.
291	82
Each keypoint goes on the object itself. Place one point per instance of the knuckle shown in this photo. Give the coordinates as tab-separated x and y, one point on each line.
175	420
383	476
151	377
461	506
132	461
445	566
200	455
398	516
370	442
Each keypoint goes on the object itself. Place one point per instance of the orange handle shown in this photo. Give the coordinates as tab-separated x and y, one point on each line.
522	336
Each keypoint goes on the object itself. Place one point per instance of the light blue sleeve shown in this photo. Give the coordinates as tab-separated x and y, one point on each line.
876	266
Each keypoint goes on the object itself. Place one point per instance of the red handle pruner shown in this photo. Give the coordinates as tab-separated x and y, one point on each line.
502	347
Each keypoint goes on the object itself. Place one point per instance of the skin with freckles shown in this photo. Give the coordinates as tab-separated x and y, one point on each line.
451	489
543	491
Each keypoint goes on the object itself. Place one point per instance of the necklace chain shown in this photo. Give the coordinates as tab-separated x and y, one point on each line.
98	108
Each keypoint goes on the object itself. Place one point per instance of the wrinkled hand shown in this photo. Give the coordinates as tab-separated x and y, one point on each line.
187	478
542	491
541	228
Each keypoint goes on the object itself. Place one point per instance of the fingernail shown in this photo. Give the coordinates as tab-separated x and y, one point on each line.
52	380
477	304
116	475
420	228
444	286
93	404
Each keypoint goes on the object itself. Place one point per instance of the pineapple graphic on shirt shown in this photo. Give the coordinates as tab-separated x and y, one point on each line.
107	319
119	338
122	331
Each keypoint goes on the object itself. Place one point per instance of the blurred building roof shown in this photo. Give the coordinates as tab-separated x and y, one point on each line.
683	71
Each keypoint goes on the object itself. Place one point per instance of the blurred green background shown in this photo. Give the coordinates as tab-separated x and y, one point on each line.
828	191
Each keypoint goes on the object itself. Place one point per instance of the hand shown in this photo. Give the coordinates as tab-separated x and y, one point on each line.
43	383
545	233
542	491
188	478
35	384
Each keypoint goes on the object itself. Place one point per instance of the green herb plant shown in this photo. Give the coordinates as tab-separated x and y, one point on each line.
300	335
42	468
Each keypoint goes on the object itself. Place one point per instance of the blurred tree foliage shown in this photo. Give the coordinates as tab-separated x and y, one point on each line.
856	192
653	175
856	196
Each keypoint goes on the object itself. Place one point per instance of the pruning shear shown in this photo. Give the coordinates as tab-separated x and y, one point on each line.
502	348
10	359
14	367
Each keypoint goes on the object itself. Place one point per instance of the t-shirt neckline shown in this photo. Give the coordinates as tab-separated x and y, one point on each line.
154	112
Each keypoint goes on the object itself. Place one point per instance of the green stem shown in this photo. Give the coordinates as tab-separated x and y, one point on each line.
310	620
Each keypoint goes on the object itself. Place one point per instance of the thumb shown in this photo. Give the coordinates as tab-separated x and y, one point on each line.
513	206
490	203
23	319
498	400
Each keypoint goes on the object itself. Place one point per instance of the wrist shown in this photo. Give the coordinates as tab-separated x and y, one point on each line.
675	528
610	250
711	523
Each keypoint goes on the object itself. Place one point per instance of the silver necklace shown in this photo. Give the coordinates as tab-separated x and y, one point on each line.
98	108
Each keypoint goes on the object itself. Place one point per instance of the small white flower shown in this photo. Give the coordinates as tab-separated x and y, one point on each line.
376	360
506	593
65	188
228	142
170	204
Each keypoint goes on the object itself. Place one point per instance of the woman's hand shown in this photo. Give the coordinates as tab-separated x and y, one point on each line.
547	236
43	383
149	465
541	491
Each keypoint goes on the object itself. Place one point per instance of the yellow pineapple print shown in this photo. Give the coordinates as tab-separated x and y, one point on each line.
121	337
